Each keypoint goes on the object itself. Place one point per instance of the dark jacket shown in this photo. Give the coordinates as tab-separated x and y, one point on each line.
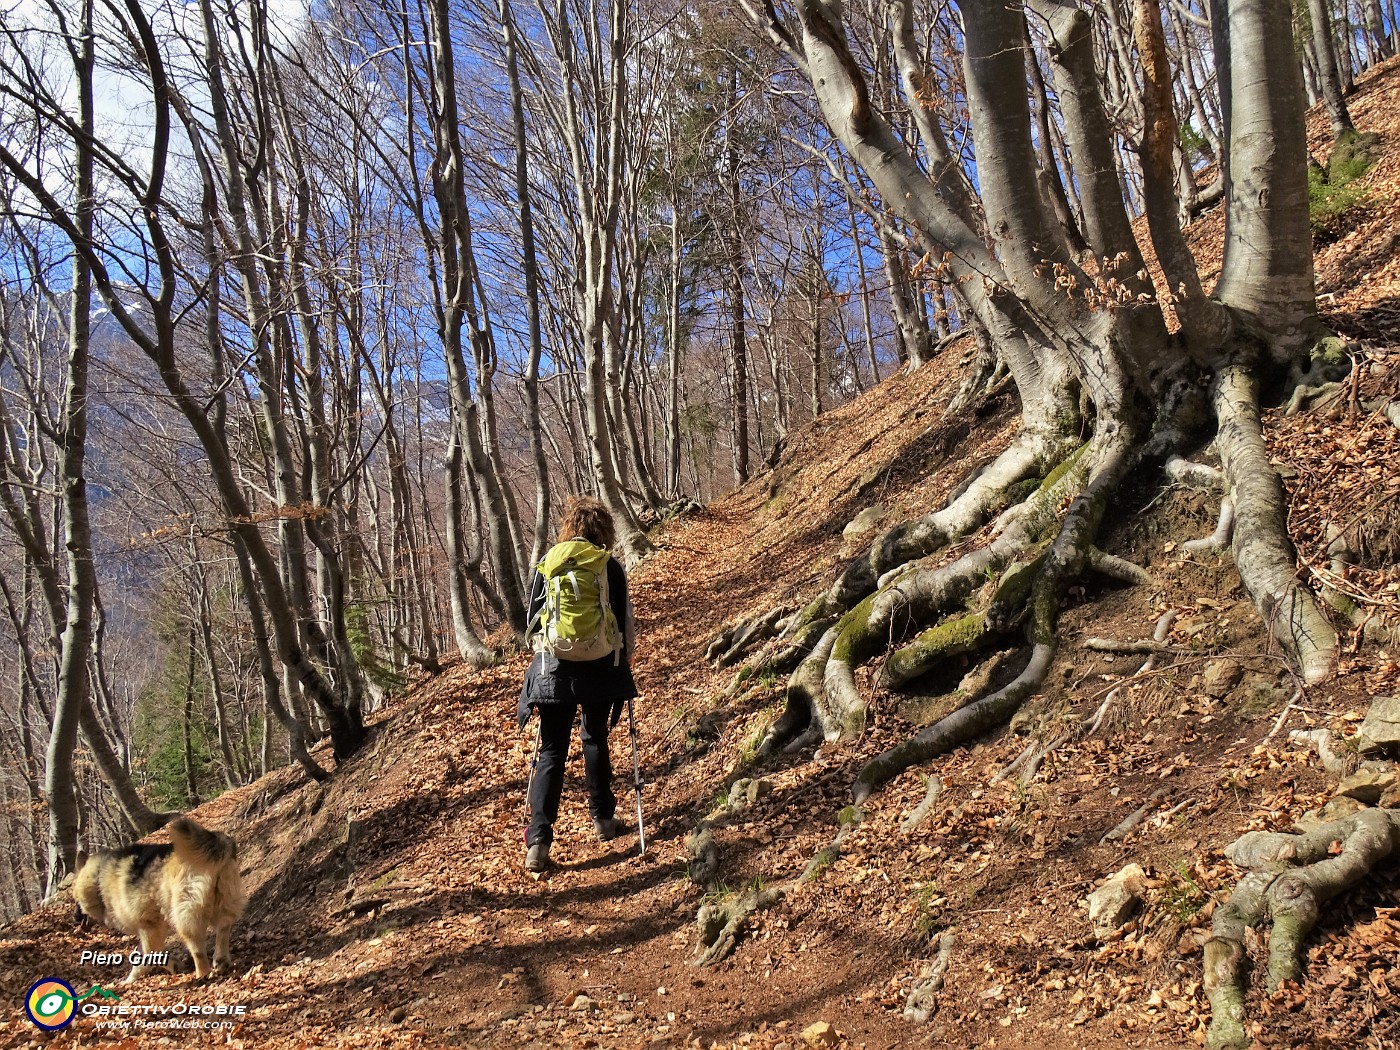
551	680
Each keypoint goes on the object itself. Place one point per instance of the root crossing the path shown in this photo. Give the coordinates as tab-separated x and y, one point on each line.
1290	878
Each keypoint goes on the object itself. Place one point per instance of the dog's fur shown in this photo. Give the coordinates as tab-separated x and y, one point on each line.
190	885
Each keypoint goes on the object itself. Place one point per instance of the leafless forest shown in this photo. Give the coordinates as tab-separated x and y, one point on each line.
311	316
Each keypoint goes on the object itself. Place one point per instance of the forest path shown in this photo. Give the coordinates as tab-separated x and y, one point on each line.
390	906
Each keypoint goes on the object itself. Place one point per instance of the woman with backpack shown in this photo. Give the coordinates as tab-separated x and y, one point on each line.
581	627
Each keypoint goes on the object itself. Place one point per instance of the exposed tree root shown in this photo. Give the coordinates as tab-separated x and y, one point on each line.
1305	397
1113	645
920	812
1335	592
1218	540
923	997
783	654
1264	554
825	857
1160	632
921	595
730	645
1194	475
1118	568
804	695
1092	474
962	725
704	854
1320	740
1290	878
1391	411
990	489
721	925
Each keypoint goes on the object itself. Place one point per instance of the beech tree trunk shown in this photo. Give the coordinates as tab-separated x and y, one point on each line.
1329	71
1043	315
74	684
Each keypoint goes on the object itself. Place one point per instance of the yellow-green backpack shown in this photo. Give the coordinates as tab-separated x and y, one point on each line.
576	621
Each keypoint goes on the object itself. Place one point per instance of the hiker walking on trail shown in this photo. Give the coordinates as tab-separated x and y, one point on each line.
581	628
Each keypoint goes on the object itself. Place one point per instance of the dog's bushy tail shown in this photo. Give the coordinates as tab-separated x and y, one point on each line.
199	846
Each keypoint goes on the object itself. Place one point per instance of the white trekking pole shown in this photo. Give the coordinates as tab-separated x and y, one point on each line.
636	776
530	780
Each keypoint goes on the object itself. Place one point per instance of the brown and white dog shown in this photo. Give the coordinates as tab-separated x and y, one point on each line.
190	885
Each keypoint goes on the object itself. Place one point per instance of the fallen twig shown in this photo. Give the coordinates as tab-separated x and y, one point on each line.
1135	818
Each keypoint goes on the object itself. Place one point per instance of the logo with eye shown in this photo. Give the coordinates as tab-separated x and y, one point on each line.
51	1003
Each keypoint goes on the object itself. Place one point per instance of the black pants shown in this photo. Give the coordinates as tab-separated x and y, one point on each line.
556	726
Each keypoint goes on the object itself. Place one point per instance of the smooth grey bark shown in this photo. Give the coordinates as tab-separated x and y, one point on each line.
1052	185
1377	43
217	692
1267	269
816	290
912	339
530	265
192	798
462	321
140	817
734	286
597	181
461	561
75	641
867	323
675	345
1328	68
297	731
1088	134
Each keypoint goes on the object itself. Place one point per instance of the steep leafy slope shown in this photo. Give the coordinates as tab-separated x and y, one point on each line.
390	908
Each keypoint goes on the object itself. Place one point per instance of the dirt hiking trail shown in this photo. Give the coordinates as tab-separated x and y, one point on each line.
390	907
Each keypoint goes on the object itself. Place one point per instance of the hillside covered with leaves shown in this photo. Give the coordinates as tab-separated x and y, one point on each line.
389	905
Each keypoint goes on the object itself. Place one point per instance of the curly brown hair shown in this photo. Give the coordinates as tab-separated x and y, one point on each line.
586	518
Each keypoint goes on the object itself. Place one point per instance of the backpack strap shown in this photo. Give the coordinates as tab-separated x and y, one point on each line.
604	601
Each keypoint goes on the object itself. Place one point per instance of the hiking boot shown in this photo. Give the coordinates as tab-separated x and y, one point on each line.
608	828
537	857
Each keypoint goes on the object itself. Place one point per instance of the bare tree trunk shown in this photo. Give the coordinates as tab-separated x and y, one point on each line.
816	291
530	264
211	663
1052	185
912	343
1329	70
738	348
141	819
598	184
460	308
14	850
1267	269
674	355
469	643
297	730
867	325
75	642
1378	46
191	780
